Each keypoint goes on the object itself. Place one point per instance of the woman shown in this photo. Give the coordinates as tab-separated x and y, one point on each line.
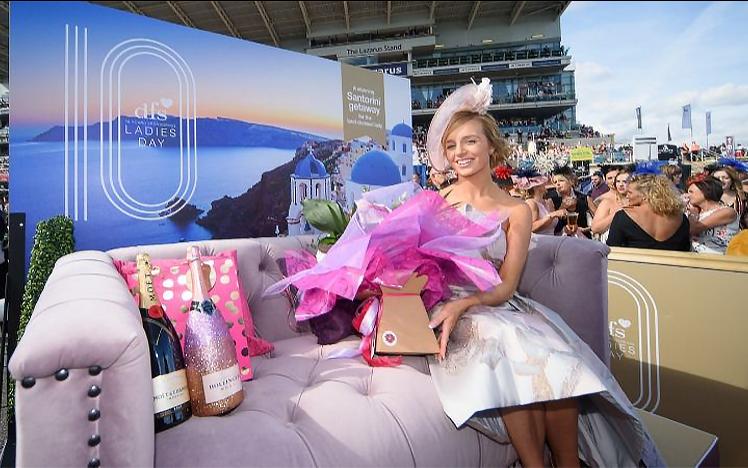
732	189
674	174
479	376
611	205
533	188
653	218
573	201
713	225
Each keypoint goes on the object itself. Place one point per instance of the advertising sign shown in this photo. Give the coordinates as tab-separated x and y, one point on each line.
145	132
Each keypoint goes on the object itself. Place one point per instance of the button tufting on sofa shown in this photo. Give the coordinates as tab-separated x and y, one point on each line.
94	391
94	370
94	463
28	382
94	414
61	375
94	440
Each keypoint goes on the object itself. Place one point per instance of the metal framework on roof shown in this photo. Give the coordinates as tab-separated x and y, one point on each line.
289	24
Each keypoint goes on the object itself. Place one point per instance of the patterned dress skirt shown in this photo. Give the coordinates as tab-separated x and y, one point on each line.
520	353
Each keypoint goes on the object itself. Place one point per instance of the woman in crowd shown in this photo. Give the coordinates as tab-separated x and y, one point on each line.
712	224
573	201
732	190
611	205
533	188
674	174
509	366
653	217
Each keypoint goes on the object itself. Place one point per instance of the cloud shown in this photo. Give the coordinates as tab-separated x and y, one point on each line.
591	71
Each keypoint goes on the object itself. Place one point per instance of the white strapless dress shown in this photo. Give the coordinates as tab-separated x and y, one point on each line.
521	352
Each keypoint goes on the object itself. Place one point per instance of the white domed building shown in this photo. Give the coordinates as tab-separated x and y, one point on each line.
309	180
401	149
374	169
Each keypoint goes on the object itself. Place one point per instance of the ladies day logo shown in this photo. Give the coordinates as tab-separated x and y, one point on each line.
160	122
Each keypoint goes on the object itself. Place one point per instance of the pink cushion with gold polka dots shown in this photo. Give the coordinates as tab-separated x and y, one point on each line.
171	284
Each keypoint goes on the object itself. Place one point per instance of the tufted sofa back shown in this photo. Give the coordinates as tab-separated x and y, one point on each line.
258	269
566	274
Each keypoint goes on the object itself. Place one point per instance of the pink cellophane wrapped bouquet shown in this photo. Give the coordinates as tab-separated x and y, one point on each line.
396	231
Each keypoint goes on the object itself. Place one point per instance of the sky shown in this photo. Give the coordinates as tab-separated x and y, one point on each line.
660	56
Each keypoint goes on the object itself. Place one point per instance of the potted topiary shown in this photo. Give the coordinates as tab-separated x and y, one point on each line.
330	218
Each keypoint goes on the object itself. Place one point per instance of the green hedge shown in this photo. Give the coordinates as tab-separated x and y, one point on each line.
53	239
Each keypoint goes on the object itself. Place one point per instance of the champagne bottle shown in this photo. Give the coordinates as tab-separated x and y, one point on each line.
212	370
171	399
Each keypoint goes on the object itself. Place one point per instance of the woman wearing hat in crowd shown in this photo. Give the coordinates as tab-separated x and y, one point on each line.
532	186
508	366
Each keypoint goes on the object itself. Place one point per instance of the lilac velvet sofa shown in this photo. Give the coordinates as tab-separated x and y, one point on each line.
83	384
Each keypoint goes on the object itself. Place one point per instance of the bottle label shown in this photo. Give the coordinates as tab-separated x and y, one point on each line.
221	384
170	390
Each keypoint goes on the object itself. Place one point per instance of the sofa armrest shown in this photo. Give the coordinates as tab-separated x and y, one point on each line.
570	276
82	371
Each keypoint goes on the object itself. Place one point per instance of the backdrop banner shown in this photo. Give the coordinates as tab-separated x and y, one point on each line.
147	132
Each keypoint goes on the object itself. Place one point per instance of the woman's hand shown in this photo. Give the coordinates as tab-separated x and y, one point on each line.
558	213
447	317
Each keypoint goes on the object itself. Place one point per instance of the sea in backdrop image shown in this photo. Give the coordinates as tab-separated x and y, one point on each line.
149	132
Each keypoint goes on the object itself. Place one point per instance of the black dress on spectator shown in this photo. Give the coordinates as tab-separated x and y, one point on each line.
624	232
582	209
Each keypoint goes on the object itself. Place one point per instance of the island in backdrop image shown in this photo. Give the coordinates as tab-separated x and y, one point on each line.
148	132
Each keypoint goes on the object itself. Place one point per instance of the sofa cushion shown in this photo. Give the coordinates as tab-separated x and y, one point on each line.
302	409
170	283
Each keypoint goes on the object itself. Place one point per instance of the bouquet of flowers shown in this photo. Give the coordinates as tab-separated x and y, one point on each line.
396	231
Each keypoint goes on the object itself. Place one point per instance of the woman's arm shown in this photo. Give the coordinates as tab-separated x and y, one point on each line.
603	217
539	223
591	206
616	236
718	218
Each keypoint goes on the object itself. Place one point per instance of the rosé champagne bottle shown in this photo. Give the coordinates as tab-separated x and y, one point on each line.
212	369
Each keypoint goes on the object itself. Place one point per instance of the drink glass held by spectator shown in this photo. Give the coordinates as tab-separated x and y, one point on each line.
653	218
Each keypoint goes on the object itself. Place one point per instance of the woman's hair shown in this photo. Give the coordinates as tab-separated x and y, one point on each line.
735	183
567	173
670	171
709	186
659	193
490	128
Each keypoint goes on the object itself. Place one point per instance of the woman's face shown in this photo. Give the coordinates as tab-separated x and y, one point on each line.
562	184
610	179
633	195
724	178
622	182
467	149
695	195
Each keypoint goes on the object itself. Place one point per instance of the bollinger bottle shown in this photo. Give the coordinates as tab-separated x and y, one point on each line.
171	399
212	370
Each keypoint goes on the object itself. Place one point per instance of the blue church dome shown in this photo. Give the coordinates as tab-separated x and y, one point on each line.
310	168
402	130
375	168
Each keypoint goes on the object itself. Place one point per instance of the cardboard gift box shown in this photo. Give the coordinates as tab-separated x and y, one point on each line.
403	325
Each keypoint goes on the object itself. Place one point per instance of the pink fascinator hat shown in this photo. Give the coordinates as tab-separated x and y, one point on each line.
471	97
528	177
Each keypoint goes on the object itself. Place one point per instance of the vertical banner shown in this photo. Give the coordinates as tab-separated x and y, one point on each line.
730	146
148	132
363	104
639	118
686	118
708	123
